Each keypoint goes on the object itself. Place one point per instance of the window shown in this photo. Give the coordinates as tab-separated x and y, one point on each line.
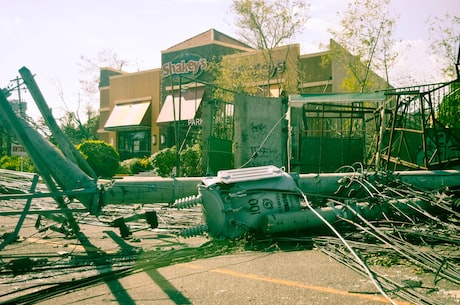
134	144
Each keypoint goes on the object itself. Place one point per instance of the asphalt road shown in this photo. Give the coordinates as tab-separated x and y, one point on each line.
303	277
273	275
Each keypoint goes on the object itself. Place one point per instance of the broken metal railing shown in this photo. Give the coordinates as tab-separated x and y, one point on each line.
411	134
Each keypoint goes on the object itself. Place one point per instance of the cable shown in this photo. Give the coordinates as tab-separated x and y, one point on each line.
355	255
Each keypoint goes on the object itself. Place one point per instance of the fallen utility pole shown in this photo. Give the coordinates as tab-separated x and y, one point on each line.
55	169
128	190
67	148
268	200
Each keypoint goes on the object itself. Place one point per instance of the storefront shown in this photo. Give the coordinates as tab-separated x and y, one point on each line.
177	105
130	103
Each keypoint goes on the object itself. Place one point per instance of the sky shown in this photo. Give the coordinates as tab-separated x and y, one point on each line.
50	36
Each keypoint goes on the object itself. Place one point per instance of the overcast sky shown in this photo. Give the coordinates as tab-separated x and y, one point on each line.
49	36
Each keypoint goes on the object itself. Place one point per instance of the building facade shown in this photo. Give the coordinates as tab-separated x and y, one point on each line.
146	111
140	111
129	106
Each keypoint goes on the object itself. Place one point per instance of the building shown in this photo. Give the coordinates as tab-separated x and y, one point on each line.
146	111
136	109
129	105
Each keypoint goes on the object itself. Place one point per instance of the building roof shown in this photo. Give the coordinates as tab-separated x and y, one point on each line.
209	37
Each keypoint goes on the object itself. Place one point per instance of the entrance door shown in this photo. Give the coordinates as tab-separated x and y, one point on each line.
134	144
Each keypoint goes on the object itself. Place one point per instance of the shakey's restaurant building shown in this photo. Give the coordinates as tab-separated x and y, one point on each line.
146	111
136	109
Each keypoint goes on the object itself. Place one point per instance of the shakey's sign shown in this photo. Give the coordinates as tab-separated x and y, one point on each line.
189	65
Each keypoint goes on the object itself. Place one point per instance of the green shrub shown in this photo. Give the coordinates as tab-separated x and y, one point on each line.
190	160
448	113
145	164
135	166
14	163
102	157
124	168
164	161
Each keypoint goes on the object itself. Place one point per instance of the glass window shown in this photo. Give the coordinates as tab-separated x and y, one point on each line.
134	144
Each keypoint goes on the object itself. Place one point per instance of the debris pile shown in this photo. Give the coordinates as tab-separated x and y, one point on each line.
427	238
375	221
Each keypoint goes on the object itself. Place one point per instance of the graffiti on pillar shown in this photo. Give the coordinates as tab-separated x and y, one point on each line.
259	138
264	149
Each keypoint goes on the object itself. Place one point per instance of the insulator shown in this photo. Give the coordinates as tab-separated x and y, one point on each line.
194	231
187	202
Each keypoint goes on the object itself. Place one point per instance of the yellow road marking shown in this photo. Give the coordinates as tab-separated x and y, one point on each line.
256	277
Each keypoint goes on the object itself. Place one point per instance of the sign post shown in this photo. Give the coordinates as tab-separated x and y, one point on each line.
18	150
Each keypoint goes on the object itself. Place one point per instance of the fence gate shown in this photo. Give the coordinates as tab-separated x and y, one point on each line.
217	136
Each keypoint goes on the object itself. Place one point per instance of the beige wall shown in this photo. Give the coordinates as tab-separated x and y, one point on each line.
131	87
286	79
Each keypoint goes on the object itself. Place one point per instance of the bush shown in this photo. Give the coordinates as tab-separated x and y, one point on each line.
448	113
135	166
164	162
14	163
101	157
124	168
190	160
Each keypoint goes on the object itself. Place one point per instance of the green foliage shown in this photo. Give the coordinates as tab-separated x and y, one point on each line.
164	161
135	166
124	168
445	39
14	163
76	130
190	159
102	157
449	114
266	24
364	42
231	77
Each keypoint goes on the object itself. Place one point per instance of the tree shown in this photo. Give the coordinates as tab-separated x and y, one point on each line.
235	74
267	24
78	126
264	25
75	126
363	43
78	131
445	42
89	69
